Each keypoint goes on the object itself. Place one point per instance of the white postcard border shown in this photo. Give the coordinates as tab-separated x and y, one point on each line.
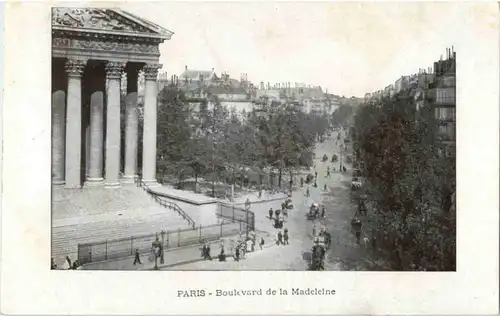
29	287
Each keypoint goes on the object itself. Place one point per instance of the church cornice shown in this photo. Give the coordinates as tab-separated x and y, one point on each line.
106	35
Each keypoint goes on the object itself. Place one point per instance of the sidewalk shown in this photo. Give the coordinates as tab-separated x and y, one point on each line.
172	257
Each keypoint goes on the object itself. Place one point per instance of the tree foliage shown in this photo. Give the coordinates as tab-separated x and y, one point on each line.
222	144
408	183
341	115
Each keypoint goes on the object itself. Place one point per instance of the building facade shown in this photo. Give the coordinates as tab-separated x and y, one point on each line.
91	50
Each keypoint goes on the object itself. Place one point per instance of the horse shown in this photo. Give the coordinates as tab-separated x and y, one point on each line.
317	258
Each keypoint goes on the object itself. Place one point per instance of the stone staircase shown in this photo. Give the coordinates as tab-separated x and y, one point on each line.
98	214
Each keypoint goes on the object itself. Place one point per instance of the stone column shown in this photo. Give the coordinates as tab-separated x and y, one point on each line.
149	134
131	125
114	74
58	132
95	161
74	68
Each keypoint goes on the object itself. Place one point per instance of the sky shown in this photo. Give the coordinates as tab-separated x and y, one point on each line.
348	48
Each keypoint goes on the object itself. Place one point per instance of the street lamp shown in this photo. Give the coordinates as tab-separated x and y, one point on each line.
247	209
162	259
340	159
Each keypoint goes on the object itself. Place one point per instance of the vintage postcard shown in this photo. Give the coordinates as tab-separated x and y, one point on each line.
250	158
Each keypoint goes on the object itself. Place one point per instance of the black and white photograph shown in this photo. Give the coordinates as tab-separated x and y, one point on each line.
249	157
216	166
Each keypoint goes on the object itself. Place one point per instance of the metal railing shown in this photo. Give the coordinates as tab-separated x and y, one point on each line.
170	239
165	203
237	215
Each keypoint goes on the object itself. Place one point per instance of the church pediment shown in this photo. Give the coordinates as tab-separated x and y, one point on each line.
113	21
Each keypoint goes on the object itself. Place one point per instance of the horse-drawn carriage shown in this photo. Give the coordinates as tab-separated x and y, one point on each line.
278	221
321	244
313	212
318	254
287	205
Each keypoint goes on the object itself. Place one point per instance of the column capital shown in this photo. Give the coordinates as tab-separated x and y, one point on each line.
151	71
114	70
74	67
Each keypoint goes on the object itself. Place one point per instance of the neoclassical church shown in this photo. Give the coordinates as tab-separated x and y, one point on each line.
91	50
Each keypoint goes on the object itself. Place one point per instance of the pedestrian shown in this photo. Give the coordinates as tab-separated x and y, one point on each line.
344	169
75	265
285	236
356	225
323	210
315	184
333	168
208	252
314	231
328	174
324	188
222	255
280	237
137	258
151	256
237	254
68	263
53	264
271	213
204	251
261	244
277	212
315	174
307	192
301	182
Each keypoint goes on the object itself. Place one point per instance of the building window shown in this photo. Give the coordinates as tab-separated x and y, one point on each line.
445	114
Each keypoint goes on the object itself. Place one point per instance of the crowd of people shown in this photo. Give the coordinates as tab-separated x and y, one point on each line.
67	265
238	248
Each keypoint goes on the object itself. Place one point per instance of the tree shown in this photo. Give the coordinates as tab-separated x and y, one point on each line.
174	133
405	176
342	114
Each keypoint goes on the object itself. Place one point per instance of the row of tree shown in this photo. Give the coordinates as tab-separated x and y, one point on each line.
219	144
410	182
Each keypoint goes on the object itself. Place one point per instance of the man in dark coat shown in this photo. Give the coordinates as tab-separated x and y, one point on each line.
285	236
237	254
271	213
204	251
208	252
137	258
323	210
280	238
